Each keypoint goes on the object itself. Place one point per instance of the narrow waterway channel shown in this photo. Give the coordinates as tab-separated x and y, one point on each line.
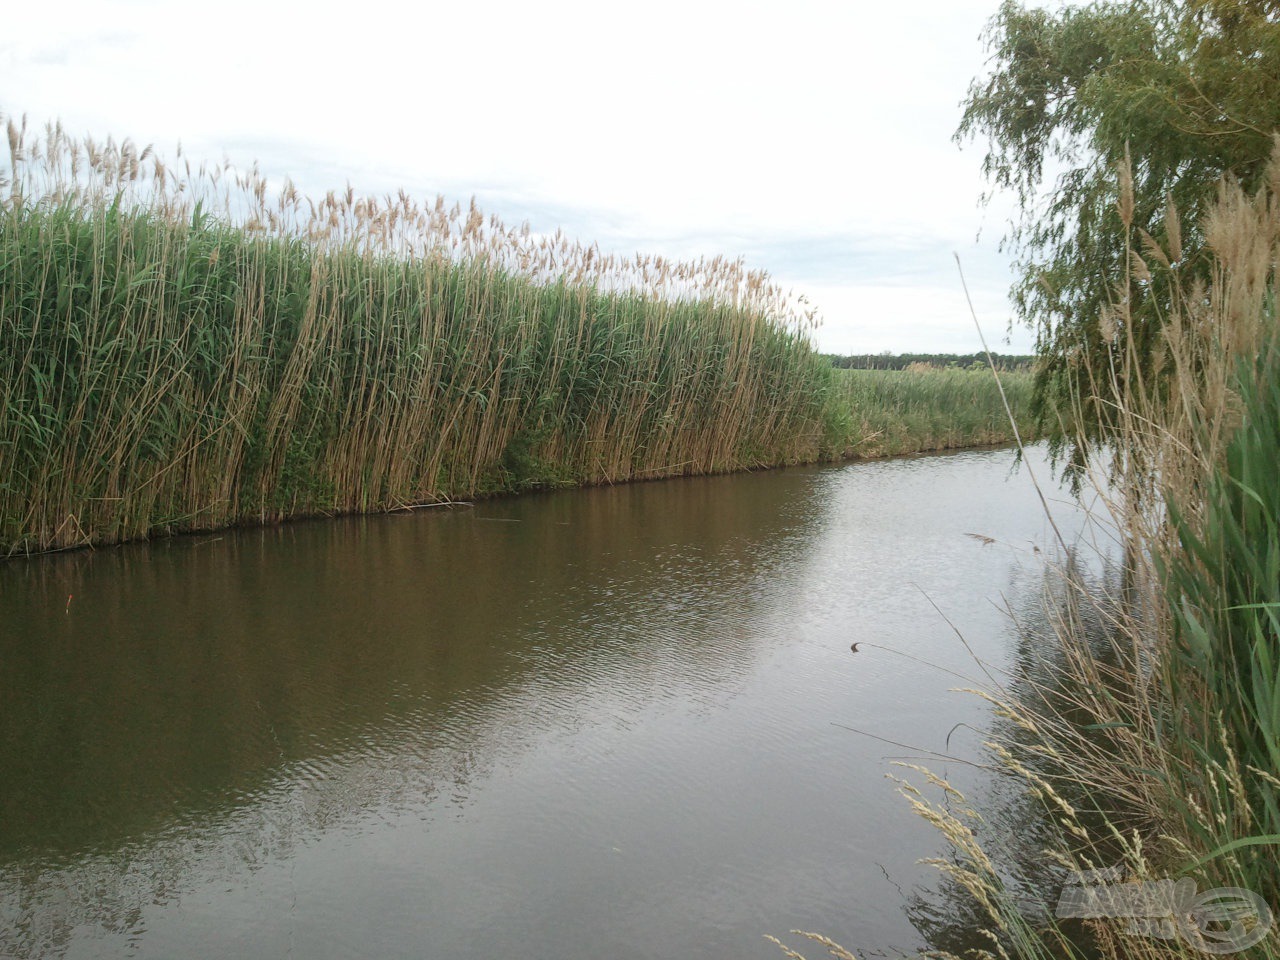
592	723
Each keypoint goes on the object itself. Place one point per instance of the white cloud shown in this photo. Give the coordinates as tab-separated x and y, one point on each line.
871	318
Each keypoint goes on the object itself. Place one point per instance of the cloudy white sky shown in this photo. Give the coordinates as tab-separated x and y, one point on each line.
812	138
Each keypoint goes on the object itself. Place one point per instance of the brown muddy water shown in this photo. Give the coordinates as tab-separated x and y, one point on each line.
591	723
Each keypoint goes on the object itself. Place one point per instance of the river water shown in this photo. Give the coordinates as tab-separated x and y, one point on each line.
616	722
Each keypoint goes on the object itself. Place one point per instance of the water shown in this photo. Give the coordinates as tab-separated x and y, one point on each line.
609	722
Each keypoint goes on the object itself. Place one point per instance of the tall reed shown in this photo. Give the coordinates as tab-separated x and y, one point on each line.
187	347
191	346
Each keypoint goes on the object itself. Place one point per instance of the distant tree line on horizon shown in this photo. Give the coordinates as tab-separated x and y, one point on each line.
900	361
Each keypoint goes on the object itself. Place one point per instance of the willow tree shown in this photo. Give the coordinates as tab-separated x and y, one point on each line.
1183	95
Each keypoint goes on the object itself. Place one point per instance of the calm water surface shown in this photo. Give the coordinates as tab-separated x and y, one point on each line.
600	723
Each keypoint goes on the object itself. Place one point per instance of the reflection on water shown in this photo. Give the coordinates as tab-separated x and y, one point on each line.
602	722
1085	588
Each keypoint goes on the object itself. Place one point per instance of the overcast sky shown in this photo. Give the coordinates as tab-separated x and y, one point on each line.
814	139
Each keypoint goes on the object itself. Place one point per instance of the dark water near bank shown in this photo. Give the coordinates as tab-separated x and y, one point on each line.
600	723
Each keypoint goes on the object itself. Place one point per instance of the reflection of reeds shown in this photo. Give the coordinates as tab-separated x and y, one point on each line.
186	347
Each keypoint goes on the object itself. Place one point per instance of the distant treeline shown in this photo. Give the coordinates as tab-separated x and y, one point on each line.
900	361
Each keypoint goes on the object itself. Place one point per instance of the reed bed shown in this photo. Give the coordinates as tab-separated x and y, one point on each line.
191	346
931	408
187	347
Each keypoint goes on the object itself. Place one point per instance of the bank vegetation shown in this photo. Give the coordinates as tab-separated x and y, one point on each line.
189	346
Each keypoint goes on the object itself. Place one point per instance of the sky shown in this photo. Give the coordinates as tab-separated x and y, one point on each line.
812	139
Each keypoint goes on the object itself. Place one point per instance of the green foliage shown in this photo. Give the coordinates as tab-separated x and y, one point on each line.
1186	91
1223	668
893	412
